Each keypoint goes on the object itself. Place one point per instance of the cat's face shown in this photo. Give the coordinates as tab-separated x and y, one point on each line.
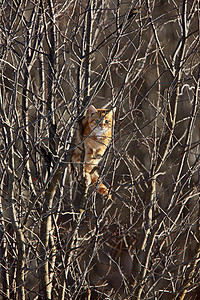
100	120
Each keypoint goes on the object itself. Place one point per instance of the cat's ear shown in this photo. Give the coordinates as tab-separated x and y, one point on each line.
92	110
114	110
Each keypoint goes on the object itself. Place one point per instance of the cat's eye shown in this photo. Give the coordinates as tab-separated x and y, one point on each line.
97	121
106	121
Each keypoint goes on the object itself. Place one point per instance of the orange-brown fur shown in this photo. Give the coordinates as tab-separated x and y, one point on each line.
96	136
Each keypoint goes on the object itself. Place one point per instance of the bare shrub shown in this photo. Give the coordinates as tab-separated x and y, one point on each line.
59	239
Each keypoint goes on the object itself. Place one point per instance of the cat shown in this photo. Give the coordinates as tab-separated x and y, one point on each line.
96	136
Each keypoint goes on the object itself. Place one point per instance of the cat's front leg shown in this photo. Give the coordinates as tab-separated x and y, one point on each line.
88	165
86	173
87	179
99	152
88	159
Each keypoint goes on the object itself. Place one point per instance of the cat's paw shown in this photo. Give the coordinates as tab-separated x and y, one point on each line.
108	196
103	190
